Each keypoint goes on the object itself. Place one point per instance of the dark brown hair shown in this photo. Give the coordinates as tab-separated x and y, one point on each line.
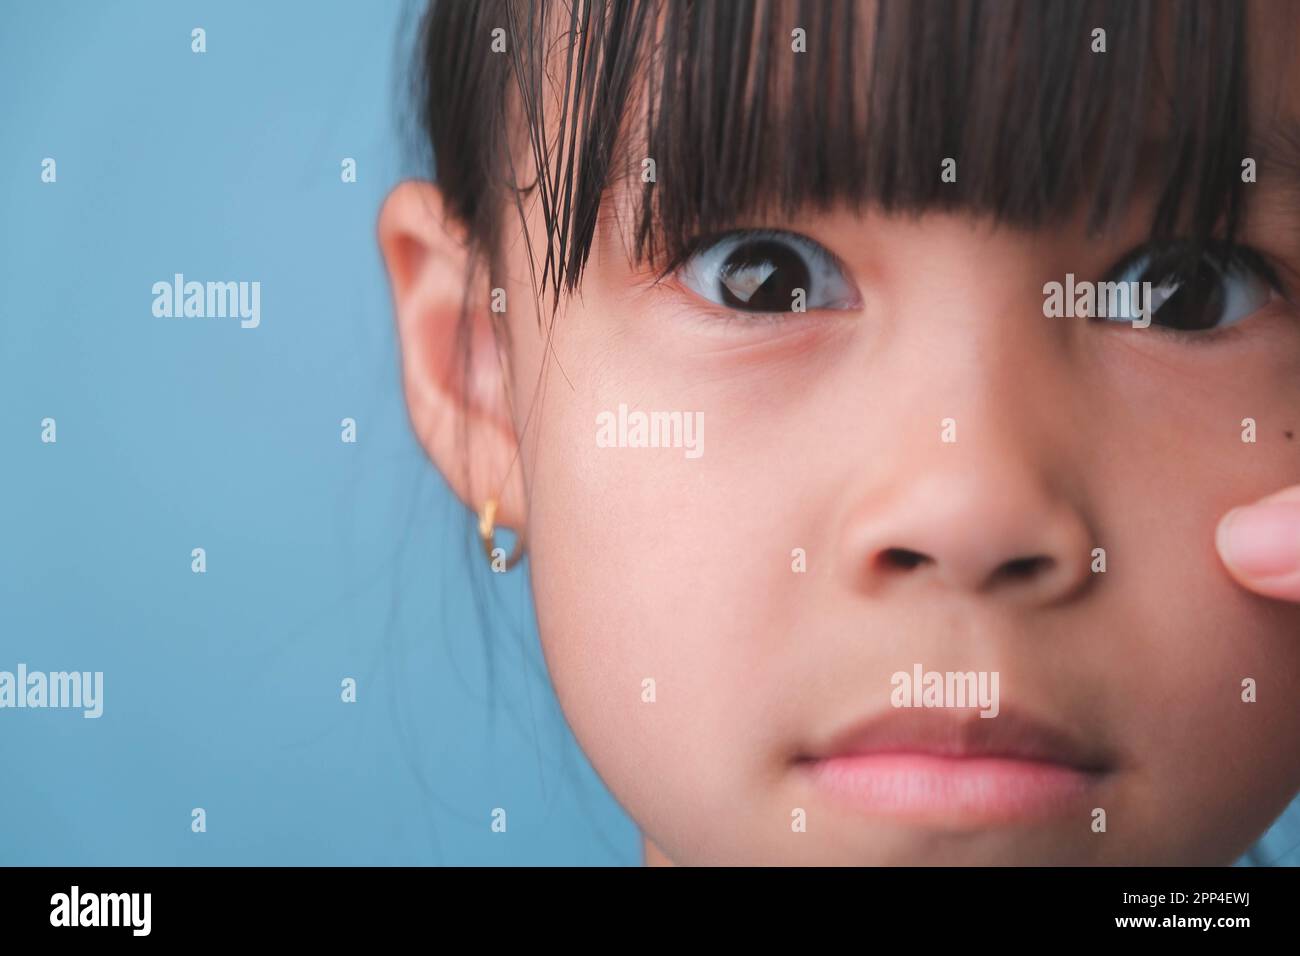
738	123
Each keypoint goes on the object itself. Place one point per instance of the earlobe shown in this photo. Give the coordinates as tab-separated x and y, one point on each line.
454	375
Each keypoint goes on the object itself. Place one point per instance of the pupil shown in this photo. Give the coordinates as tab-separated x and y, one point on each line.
762	275
1198	302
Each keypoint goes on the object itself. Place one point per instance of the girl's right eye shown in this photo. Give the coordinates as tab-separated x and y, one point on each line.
768	271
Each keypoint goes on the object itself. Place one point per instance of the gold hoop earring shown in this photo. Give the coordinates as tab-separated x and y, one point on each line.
487	533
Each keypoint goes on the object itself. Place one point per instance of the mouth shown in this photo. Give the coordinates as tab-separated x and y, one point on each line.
957	768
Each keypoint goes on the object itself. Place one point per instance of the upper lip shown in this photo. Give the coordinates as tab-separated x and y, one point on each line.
950	733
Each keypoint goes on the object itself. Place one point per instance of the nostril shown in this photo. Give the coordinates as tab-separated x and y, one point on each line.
902	559
1021	569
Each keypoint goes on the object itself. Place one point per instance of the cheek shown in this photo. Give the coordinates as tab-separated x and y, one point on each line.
682	648
1184	639
1203	682
636	554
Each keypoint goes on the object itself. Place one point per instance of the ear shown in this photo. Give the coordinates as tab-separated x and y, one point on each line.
458	400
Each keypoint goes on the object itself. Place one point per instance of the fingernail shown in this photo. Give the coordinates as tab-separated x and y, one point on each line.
1262	541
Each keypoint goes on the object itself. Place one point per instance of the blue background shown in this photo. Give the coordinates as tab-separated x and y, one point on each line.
325	560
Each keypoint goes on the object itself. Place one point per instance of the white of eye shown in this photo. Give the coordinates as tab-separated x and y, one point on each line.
703	272
1245	291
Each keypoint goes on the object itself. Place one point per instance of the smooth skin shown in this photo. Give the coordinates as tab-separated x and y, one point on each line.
826	436
823	433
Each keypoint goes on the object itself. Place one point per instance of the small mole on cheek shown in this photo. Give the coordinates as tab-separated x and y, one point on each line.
1289	435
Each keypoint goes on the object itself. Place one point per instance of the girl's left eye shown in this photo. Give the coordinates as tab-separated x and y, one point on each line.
1196	291
765	271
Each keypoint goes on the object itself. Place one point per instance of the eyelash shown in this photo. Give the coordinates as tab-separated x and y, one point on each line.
820	259
1230	257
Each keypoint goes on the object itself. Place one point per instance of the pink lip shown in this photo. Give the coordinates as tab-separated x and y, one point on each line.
955	767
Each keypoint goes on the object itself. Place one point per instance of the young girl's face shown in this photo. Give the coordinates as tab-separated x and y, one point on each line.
922	472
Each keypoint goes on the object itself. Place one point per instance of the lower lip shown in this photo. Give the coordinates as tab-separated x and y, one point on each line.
928	788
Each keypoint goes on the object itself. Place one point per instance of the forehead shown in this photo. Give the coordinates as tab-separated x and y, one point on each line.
1273	34
1273	29
1272	57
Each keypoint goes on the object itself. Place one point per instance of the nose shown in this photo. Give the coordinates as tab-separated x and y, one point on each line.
988	524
